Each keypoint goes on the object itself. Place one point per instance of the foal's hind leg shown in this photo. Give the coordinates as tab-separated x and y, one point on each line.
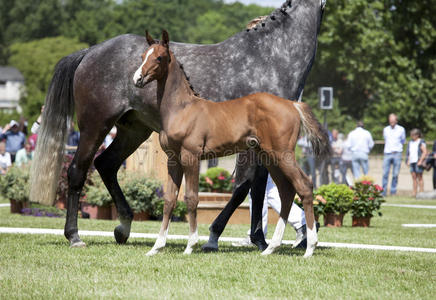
175	175
108	164
191	169
303	186
287	194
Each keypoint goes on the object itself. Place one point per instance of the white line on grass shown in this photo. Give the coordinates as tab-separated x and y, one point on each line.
410	205
5	204
205	238
419	225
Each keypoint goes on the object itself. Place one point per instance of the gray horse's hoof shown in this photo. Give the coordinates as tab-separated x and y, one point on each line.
120	236
77	244
210	247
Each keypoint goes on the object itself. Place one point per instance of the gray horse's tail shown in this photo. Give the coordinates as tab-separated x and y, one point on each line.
315	132
52	135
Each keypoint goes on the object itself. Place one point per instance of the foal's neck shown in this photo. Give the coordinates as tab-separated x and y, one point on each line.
173	91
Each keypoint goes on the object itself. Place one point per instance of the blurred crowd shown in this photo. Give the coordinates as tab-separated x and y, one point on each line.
351	152
17	143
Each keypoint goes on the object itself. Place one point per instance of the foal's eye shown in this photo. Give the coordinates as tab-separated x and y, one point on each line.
159	58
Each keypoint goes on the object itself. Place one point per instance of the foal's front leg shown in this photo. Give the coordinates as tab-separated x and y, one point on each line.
191	168
175	175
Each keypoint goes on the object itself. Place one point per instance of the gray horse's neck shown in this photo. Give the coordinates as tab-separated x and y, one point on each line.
275	56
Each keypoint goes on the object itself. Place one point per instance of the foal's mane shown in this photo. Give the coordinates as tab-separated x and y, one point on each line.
187	79
263	20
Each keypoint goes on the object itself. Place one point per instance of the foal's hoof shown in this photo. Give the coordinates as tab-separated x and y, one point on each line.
77	244
210	247
120	235
268	251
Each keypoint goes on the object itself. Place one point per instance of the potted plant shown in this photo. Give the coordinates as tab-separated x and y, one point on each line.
14	185
142	193
97	202
318	205
366	203
179	211
216	180
338	199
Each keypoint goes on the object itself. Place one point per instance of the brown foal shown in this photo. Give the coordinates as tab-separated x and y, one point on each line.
194	128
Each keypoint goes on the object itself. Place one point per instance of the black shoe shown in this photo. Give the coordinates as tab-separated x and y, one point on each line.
303	244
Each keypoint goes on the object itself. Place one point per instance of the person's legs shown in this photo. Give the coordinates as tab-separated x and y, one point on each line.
355	163
387	161
415	184
395	172
434	178
365	165
420	180
311	163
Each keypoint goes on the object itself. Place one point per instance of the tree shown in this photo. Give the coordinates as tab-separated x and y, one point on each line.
36	61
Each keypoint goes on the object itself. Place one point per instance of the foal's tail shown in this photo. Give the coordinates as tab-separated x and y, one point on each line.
52	135
315	132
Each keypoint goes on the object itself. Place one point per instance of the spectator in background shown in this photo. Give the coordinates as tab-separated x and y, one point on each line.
308	159
15	139
72	140
110	137
360	143
346	162
337	145
434	165
395	137
5	159
415	158
24	155
34	130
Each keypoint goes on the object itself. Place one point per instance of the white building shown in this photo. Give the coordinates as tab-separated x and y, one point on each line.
11	83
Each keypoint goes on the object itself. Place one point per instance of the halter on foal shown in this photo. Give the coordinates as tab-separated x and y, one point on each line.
194	128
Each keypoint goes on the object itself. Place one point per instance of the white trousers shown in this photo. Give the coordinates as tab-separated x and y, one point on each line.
272	198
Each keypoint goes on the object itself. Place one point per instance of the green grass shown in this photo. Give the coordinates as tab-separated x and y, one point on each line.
43	266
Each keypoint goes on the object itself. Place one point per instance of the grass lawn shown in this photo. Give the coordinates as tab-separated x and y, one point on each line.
43	266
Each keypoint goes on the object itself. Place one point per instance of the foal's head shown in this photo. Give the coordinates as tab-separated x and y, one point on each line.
155	60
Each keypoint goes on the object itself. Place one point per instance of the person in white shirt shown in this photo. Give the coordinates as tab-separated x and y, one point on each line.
416	154
5	159
394	136
360	143
346	162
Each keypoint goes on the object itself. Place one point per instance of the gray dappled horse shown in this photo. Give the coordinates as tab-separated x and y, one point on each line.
275	57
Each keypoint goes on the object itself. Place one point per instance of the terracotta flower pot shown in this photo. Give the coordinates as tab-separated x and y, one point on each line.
333	220
17	206
361	221
141	216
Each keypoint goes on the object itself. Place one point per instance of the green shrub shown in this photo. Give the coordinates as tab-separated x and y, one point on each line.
367	199
216	180
142	193
338	198
179	211
96	192
14	185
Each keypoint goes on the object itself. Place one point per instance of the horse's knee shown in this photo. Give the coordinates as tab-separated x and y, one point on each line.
191	203
105	166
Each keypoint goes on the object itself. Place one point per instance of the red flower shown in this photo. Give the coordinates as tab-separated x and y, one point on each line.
371	198
366	182
233	180
209	181
378	188
221	177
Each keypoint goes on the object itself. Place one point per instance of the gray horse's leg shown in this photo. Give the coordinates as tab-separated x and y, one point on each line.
88	145
246	171
127	140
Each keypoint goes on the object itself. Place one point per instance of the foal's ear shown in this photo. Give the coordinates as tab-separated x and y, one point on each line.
165	39
150	40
